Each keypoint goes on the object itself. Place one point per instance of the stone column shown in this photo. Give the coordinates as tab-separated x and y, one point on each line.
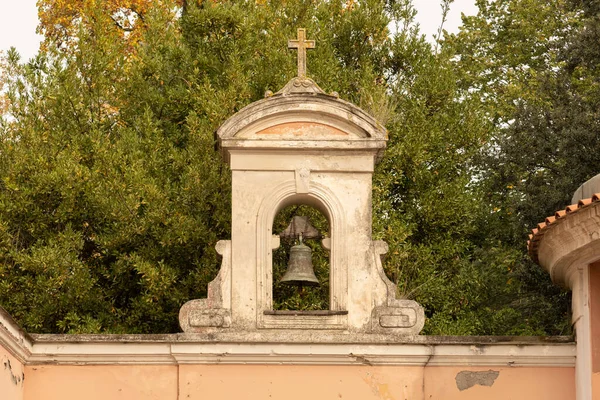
579	283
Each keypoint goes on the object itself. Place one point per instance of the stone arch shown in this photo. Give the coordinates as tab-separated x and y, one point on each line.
323	199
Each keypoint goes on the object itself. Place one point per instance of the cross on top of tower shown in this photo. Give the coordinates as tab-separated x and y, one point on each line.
301	44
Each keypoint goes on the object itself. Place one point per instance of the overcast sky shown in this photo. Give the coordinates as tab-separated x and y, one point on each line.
18	20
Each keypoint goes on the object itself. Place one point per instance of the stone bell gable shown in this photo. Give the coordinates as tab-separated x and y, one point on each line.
302	146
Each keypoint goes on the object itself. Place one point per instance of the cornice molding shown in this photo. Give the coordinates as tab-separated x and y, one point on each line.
295	348
16	341
422	355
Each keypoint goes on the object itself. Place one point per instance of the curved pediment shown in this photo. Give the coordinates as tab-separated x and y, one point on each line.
303	116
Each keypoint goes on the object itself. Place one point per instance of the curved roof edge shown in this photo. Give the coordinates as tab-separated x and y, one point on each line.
579	234
305	96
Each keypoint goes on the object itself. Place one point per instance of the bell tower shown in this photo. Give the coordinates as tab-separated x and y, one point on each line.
302	146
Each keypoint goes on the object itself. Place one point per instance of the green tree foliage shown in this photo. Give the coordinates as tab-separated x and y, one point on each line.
112	194
562	130
532	65
428	207
501	51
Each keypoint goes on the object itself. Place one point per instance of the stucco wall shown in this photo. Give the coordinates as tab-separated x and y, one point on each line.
300	382
460	383
365	383
11	376
297	382
594	303
101	382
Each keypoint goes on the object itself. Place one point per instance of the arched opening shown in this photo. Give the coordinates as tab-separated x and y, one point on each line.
298	296
322	199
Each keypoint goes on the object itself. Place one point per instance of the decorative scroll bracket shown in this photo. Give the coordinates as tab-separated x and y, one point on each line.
214	311
403	316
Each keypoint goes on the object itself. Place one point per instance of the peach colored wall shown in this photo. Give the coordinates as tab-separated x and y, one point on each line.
11	376
510	383
248	382
101	382
594	300
300	382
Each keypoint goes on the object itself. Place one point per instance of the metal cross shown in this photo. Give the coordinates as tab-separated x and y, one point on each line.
301	44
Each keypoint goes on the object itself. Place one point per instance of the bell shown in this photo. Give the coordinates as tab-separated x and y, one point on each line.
300	270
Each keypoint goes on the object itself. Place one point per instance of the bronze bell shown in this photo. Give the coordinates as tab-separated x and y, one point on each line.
300	270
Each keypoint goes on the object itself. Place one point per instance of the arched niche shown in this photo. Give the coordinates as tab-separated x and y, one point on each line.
290	296
324	200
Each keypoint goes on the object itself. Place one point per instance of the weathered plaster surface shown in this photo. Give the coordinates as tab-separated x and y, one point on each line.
304	129
467	379
294	382
570	243
300	382
11	376
13	339
456	383
51	382
569	251
257	365
594	299
15	346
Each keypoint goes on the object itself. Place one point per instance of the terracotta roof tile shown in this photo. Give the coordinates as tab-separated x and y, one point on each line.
584	202
538	233
571	208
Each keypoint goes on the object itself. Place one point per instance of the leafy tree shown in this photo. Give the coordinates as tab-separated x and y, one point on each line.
531	65
109	219
61	20
3	78
428	207
501	51
562	132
